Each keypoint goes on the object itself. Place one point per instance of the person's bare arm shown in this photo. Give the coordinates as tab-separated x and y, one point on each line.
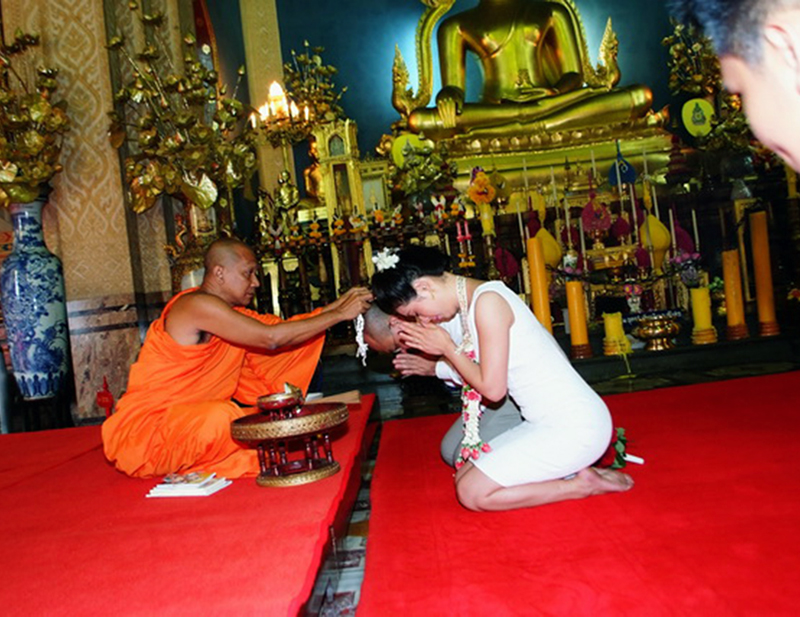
493	319
199	312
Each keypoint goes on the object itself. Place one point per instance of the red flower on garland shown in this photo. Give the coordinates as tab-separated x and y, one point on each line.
614	456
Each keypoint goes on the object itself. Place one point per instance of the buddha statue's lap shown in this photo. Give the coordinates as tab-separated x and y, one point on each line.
537	74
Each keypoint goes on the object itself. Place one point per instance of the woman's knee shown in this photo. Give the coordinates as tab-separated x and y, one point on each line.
469	493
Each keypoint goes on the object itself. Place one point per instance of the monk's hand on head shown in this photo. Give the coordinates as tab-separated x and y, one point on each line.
352	303
346	297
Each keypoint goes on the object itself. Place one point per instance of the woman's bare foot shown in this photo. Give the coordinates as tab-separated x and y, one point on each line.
600	481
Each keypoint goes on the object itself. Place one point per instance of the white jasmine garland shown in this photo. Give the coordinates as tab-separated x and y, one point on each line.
471	409
386	259
361	352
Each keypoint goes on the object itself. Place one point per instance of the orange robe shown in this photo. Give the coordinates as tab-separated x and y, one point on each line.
176	413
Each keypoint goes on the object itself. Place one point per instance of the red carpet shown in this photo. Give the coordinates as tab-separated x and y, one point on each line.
712	526
79	538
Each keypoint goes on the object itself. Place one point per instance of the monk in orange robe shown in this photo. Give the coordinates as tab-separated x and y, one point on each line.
203	353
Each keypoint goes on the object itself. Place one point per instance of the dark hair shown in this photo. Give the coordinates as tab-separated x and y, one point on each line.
392	287
734	26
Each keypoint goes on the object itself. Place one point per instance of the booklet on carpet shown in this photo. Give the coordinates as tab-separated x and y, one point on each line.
197	484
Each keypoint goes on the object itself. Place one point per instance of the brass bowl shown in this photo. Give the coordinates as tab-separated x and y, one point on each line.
657	332
281	400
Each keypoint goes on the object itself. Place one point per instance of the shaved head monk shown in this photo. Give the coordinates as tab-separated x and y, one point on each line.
205	356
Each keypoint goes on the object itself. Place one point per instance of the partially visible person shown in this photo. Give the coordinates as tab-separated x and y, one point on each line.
758	42
205	354
506	351
381	333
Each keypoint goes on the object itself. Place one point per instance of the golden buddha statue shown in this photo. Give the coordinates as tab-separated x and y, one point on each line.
312	174
538	76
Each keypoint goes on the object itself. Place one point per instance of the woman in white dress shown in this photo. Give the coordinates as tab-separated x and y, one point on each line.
566	426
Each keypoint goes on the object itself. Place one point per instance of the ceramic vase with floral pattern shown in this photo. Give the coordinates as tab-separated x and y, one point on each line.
34	307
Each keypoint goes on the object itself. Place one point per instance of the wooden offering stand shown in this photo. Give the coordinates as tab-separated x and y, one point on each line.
284	417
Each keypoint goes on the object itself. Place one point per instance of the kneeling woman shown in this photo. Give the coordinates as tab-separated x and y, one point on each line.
566	426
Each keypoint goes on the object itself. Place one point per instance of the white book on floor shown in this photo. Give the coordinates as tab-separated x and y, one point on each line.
198	484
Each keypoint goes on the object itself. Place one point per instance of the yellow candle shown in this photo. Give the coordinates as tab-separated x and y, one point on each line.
487	219
540	298
576	305
612	323
701	308
734	303
762	267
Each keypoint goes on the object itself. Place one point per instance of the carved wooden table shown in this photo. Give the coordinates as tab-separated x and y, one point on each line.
281	419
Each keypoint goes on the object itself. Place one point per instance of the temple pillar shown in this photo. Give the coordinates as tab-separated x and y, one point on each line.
264	64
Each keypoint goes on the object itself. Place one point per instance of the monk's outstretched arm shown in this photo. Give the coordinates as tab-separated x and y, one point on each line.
202	312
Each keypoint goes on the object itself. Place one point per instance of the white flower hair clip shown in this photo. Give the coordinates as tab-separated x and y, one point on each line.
385	259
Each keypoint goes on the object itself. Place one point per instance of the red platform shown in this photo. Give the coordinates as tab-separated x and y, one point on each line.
79	538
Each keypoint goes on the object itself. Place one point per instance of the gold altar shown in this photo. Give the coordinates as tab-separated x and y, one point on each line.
554	149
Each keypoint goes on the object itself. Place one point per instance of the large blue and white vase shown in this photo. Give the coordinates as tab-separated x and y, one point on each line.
34	307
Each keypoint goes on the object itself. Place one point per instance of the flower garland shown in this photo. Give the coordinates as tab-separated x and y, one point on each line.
361	352
471	409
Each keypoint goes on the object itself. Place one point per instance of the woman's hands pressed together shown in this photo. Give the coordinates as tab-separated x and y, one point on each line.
425	336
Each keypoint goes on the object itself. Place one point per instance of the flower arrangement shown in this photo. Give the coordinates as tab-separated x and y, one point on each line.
425	168
480	190
188	137
693	65
309	82
687	266
32	125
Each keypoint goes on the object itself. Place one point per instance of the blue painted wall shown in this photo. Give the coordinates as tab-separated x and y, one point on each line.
359	37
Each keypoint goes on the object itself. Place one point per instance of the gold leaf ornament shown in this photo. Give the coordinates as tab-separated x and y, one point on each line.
203	193
8	172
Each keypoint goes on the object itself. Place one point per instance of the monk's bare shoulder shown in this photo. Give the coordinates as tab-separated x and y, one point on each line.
186	318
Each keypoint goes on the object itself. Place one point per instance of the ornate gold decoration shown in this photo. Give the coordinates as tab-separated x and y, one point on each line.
658	331
296	479
190	139
289	427
32	125
693	64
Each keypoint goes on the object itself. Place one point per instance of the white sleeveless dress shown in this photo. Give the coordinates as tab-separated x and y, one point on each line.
566	426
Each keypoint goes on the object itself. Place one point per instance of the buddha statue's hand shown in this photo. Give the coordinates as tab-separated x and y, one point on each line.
449	103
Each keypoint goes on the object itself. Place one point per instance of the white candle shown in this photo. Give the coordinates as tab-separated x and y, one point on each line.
525	197
672	230
555	202
694	229
635	217
655	200
566	222
583	240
